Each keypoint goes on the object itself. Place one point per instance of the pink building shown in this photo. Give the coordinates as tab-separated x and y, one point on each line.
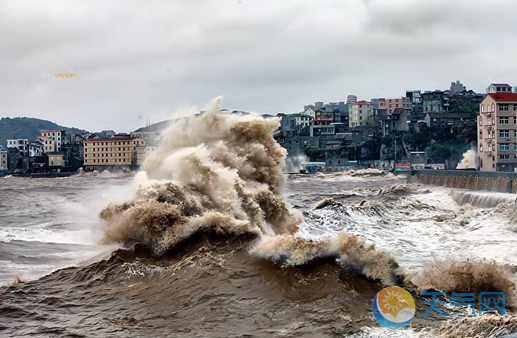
391	104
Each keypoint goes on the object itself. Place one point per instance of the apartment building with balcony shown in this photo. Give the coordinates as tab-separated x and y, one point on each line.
117	152
497	132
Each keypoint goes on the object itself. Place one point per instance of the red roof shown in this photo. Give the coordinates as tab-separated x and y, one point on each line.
504	97
362	102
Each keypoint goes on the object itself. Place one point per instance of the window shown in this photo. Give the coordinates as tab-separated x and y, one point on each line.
515	147
504	133
504	107
504	147
504	157
504	120
481	147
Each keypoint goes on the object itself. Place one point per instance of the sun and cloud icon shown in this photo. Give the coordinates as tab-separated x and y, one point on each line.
393	307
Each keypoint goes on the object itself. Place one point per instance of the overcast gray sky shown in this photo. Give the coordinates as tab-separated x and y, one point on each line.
135	60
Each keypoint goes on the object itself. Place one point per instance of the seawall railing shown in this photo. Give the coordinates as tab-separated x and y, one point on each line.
472	180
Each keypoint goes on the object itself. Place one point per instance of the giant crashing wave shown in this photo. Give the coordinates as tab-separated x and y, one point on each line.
221	174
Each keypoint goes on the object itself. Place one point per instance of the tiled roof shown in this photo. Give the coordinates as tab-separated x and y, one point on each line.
362	102
504	97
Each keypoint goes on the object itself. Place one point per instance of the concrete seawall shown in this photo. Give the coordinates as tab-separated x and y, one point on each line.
472	180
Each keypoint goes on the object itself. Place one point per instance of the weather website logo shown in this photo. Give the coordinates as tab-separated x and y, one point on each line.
393	307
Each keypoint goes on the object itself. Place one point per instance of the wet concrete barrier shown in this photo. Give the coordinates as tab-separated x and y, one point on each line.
471	180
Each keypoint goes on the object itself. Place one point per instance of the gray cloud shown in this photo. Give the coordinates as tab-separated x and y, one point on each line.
136	60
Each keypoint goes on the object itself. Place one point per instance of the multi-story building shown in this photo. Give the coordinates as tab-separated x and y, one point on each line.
395	122
309	110
497	132
360	114
21	144
52	140
3	160
294	124
391	104
112	152
73	150
435	102
143	152
36	148
499	88
322	127
415	96
18	154
350	99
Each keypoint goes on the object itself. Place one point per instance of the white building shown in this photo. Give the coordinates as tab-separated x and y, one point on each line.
36	148
143	152
309	112
21	144
499	88
52	140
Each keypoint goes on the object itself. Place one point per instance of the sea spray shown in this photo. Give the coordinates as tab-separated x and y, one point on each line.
469	160
294	162
215	171
467	276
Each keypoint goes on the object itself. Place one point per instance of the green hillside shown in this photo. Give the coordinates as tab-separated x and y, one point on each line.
27	127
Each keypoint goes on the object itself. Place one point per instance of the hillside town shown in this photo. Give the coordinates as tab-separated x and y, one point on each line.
422	129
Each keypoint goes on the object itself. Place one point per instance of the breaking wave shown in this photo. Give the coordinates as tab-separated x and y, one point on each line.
349	251
217	172
468	276
483	199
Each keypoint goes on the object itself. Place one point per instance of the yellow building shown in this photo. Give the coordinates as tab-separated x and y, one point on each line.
55	160
361	114
112	152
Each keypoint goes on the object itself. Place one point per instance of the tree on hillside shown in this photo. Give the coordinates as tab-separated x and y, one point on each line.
27	128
